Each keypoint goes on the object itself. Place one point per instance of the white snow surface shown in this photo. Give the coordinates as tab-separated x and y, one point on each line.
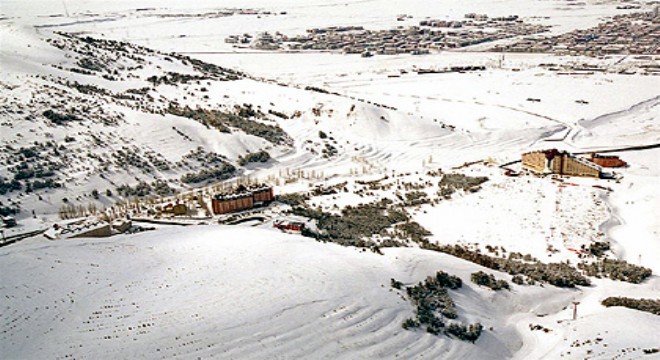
242	292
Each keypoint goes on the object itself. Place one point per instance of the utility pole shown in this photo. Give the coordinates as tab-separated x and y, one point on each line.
575	304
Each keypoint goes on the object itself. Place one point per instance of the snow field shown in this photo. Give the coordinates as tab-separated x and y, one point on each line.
203	292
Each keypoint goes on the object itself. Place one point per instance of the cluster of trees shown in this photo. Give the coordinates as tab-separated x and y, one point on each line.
173	78
433	304
450	183
259	156
557	274
142	189
414	198
488	280
212	71
70	211
59	119
24	172
205	158
91	64
469	332
616	270
7	210
41	184
598	248
9	186
87	89
649	305
355	222
218	173
293	199
28	163
278	114
224	121
126	157
412	230
329	151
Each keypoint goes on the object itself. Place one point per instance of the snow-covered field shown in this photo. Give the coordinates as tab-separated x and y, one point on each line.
241	292
247	291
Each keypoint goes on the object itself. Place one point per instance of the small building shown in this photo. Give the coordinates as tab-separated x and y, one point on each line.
179	209
608	161
558	162
287	226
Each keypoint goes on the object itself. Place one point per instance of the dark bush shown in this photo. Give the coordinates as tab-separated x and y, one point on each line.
355	223
45	184
6	211
278	114
410	324
616	270
259	156
142	189
598	248
649	305
224	121
218	173
488	280
518	280
58	118
412	230
293	199
396	284
316	89
558	274
433	304
466	333
9	186
452	182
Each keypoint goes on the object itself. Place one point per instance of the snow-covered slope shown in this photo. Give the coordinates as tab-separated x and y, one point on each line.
247	293
241	292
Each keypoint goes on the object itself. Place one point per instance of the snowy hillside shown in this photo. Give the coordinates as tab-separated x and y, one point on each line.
97	115
265	294
403	223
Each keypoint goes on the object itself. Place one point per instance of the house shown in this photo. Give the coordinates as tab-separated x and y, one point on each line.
558	162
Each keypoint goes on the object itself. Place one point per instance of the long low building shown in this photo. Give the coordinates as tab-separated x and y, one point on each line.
558	162
242	199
